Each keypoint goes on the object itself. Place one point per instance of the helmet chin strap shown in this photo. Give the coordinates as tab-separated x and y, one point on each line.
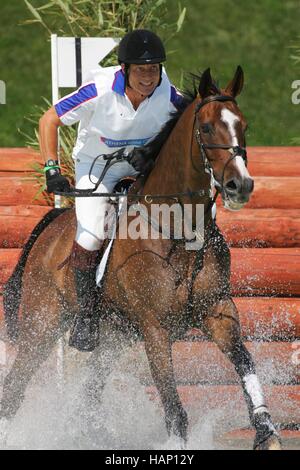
127	76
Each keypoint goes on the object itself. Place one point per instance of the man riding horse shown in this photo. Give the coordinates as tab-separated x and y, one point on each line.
180	289
122	107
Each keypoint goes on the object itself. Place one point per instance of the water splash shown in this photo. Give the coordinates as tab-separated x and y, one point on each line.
65	416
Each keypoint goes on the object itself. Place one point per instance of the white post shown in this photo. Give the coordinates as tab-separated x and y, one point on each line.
2	92
57	199
55	93
54	67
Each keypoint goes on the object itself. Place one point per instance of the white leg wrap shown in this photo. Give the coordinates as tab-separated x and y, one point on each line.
254	391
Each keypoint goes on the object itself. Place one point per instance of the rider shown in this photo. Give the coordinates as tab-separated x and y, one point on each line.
121	107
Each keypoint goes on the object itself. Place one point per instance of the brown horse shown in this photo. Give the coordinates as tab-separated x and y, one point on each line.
155	287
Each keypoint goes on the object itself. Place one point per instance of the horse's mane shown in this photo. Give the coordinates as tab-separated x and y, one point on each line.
189	94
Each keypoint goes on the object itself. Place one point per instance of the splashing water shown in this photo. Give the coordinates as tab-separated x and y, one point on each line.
65	416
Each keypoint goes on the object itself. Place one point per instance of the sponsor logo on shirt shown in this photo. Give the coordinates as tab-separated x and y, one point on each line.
124	142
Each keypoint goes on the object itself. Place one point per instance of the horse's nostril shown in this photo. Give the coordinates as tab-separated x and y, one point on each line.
232	186
235	186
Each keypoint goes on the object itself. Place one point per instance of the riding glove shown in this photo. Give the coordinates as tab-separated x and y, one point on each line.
54	179
140	161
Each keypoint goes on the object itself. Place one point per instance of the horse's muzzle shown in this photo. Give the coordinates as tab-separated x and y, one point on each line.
236	192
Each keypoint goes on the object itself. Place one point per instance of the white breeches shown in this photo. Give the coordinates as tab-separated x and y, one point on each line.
91	211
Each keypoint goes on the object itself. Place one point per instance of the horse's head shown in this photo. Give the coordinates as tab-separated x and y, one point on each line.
220	131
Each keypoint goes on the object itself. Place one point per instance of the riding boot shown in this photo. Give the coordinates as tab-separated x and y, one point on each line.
84	334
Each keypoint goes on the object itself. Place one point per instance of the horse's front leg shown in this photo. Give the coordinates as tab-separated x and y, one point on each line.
222	325
39	331
159	353
102	361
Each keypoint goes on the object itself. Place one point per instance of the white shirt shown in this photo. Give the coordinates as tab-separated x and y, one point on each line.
108	120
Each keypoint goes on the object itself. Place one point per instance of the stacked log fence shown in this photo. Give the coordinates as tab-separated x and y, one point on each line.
265	245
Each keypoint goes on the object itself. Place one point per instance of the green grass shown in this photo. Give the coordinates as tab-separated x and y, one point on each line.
217	33
25	68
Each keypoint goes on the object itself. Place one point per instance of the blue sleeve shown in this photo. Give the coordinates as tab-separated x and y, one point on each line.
72	107
177	99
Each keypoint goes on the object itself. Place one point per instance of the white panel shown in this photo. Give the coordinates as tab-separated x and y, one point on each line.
93	50
66	62
54	68
2	92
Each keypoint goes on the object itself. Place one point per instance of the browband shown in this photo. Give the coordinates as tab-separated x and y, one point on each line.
214	98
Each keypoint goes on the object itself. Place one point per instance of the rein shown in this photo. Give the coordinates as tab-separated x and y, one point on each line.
111	160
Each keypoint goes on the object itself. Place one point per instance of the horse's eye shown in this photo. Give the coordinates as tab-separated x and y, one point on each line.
206	128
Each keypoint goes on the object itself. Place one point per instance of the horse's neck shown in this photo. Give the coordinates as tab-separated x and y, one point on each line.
174	171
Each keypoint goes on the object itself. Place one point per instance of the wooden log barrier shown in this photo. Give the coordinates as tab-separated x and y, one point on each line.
265	318
275	193
272	189
255	271
16	191
18	159
265	271
274	161
17	223
201	362
260	227
261	318
247	228
269	318
263	161
283	401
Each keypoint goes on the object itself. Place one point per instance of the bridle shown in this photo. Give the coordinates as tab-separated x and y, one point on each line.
234	150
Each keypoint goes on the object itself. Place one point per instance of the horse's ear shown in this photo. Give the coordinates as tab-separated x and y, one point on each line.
235	87
206	83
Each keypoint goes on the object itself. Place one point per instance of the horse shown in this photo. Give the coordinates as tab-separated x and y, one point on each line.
154	287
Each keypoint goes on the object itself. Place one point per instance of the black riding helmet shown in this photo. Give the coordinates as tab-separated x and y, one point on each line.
141	47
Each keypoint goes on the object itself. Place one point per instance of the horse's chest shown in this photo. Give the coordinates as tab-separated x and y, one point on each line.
182	263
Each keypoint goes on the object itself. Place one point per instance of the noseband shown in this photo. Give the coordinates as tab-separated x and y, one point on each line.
234	150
